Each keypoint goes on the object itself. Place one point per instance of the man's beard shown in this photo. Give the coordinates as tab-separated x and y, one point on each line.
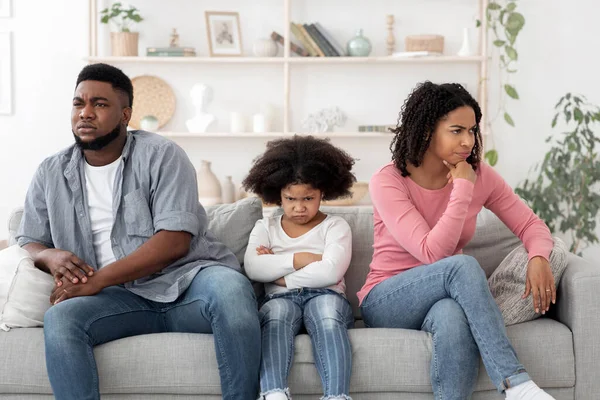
98	143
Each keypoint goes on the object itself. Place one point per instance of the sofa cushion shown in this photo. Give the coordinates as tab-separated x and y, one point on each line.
232	223
24	290
508	282
13	225
492	241
360	220
384	360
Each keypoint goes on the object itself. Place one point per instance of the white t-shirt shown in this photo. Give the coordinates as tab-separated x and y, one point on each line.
99	185
332	238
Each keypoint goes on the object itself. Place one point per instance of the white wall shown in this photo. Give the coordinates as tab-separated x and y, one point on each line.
555	52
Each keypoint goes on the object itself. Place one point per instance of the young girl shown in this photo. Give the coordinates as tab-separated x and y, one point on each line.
302	257
425	205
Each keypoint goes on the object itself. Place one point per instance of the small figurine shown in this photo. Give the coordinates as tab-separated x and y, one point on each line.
174	39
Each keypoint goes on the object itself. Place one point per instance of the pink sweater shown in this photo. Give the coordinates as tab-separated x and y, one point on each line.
415	226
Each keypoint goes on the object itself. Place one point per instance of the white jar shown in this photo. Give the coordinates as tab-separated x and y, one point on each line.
265	48
237	122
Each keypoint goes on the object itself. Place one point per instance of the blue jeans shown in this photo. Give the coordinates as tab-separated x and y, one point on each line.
327	316
219	300
451	300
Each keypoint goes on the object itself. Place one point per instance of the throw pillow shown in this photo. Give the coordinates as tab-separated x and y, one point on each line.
507	283
232	223
24	290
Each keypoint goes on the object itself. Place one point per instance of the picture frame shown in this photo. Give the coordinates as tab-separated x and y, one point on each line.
5	73
223	32
5	8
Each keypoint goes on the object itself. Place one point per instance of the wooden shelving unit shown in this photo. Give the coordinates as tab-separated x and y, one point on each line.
288	61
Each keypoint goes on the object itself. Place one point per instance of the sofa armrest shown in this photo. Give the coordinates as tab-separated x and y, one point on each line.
578	307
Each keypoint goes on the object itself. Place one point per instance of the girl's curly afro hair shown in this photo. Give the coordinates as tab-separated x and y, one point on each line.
301	160
426	105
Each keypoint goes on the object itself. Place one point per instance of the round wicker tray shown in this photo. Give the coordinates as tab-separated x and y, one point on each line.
151	96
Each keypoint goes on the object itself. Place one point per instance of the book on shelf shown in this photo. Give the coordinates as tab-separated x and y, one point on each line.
165	54
171	51
295	28
294	47
310	40
376	128
320	40
332	42
316	40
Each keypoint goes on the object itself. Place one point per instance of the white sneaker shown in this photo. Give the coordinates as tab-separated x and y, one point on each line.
527	391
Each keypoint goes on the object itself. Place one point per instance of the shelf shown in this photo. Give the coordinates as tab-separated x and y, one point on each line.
385	60
274	135
188	60
290	60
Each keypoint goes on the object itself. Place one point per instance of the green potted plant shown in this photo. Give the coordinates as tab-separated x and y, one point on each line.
566	192
505	23
123	41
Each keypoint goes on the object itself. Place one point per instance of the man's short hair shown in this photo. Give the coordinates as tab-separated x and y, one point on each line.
107	73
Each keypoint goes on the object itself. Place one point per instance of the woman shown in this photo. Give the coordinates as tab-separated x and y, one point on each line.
425	205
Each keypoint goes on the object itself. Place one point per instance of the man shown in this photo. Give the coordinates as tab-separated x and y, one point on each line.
115	219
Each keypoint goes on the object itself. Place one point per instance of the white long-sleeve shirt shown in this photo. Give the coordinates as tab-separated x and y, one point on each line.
332	238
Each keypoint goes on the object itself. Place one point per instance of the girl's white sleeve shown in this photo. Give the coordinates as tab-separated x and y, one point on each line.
267	267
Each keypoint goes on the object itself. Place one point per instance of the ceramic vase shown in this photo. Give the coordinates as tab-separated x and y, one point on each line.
209	187
359	46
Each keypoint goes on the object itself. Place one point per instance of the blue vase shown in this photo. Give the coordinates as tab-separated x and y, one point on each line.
359	46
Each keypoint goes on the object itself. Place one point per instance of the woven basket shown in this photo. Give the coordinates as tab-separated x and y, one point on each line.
151	96
433	43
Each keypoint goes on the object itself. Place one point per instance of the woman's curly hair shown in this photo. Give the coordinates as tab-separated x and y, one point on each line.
301	160
418	118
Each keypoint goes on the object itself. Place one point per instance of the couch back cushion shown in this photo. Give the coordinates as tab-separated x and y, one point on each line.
490	244
360	220
230	223
492	241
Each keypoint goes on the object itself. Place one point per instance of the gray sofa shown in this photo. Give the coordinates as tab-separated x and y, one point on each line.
561	351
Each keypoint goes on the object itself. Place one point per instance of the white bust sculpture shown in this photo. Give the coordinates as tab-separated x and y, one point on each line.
201	95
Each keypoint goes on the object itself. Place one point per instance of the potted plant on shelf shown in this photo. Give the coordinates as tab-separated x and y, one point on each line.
566	193
123	42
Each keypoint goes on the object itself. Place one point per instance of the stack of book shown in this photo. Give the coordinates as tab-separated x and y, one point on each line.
376	128
316	40
171	52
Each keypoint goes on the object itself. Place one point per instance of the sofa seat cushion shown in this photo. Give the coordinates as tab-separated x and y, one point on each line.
384	360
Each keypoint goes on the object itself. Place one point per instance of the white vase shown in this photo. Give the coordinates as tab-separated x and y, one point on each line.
465	49
265	48
229	192
209	187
